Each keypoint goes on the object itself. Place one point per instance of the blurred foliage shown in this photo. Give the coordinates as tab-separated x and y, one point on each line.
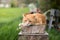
45	4
14	3
30	1
41	4
55	4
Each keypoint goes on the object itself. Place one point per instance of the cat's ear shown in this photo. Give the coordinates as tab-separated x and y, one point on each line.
24	15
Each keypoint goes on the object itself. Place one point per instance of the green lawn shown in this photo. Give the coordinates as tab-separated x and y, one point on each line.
9	20
7	15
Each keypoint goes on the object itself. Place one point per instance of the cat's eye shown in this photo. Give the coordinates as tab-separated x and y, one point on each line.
29	21
25	20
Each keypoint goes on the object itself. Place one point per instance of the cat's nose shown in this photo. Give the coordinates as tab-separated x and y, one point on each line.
31	25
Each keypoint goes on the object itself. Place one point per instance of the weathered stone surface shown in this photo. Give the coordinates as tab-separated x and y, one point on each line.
33	36
34	29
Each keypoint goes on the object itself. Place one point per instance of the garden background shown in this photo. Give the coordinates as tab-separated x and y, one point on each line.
11	12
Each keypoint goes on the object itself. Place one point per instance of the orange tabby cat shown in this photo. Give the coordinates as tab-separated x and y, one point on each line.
33	19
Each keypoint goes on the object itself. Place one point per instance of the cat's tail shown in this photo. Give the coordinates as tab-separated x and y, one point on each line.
46	12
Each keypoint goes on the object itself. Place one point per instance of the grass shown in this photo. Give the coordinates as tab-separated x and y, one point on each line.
6	15
9	20
54	34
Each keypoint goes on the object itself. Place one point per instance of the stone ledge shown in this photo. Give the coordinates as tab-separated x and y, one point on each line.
33	36
20	34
